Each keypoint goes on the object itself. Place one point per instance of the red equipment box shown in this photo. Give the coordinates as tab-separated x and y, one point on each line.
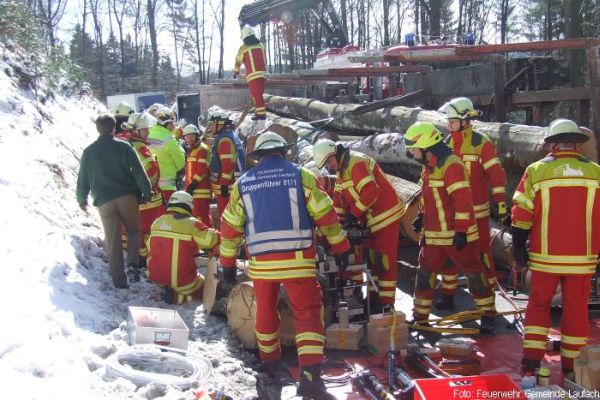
482	387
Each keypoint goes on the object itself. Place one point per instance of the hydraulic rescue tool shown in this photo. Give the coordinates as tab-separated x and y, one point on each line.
368	383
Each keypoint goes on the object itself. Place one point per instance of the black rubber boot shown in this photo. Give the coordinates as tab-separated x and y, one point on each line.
487	325
311	385
167	295
529	366
445	302
133	273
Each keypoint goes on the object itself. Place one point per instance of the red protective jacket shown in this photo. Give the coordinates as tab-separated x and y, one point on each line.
447	201
366	191
175	239
254	60
197	170
484	169
227	154
558	200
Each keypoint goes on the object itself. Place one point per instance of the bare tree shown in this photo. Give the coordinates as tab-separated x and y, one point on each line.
119	7
96	14
51	12
151	7
574	29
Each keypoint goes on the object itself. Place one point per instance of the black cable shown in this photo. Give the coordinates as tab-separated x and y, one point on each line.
338	380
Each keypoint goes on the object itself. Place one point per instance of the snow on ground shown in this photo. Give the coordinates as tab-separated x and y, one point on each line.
61	316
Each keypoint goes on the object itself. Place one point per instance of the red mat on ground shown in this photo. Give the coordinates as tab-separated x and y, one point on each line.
501	355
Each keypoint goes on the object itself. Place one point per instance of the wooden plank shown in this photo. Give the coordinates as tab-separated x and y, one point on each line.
500	90
563	44
539	96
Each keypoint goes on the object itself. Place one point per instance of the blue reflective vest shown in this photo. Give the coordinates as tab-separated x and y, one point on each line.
276	216
215	163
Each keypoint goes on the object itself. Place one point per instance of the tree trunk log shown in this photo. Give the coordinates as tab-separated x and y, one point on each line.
518	145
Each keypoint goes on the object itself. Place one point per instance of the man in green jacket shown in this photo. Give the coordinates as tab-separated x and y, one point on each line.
111	170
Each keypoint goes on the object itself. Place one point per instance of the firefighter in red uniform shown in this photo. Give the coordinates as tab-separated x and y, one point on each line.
371	201
197	173
449	228
135	131
557	206
252	54
276	206
227	160
175	239
478	153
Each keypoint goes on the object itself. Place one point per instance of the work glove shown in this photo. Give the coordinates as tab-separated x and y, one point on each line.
418	223
499	211
235	76
507	221
519	245
342	259
351	220
191	187
229	275
460	240
224	190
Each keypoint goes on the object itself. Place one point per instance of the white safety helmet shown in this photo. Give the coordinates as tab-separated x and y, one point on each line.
124	109
247	31
461	108
164	115
139	121
153	108
191	129
564	131
182	199
268	141
322	150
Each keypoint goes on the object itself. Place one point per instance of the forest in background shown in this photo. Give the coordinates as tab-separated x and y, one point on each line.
115	45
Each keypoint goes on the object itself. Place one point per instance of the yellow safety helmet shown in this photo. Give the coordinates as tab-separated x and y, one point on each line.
461	108
564	131
322	150
247	31
422	135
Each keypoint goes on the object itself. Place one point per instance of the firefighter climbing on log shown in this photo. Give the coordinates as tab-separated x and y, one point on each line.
276	206
485	173
448	224
557	207
372	202
252	55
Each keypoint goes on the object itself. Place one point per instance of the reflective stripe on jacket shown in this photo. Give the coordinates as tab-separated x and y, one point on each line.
282	265
254	60
558	199
276	216
175	238
197	170
367	192
483	166
169	154
228	160
150	165
447	201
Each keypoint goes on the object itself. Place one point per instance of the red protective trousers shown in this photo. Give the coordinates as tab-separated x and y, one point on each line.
257	88
202	211
431	262
147	217
383	259
450	275
574	322
221	204
306	300
166	194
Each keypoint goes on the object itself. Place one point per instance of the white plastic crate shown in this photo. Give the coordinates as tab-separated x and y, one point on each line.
157	326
